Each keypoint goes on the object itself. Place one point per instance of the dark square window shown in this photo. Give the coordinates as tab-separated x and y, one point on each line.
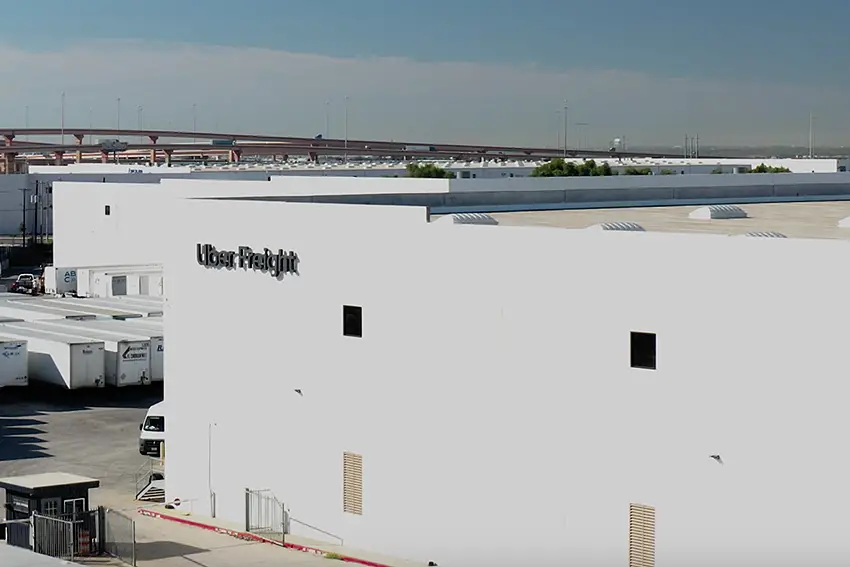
352	321
106	210
643	350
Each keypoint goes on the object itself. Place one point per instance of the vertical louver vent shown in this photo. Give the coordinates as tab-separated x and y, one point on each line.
641	535
352	483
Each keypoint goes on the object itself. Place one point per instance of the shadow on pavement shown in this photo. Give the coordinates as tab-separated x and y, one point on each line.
19	401
20	438
157	550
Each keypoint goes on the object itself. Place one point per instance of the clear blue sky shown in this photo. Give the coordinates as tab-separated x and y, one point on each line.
749	42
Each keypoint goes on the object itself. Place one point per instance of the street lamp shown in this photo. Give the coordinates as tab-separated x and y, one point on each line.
346	129
139	111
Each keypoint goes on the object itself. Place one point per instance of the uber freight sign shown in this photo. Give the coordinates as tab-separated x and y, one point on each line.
276	264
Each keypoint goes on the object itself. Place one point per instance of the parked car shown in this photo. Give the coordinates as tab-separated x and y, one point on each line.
25	283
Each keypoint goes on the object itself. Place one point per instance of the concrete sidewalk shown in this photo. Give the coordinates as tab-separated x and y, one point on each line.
306	545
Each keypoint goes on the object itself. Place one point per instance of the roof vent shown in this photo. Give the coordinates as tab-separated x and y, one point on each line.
622	226
718	212
766	234
468	218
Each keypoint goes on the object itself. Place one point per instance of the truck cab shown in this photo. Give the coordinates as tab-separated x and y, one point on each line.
152	432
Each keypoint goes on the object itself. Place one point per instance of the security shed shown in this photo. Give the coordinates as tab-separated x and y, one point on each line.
48	494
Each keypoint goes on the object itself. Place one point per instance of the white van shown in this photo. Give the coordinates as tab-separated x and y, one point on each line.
152	436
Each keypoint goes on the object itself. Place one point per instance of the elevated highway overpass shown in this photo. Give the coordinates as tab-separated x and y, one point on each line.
14	150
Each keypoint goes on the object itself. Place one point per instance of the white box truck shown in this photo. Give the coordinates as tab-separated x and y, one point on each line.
13	362
60	359
127	360
144	327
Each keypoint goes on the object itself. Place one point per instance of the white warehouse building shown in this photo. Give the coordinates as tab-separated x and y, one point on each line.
525	393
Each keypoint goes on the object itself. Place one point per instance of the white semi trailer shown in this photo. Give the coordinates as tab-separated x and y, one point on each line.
60	359
13	362
150	328
126	355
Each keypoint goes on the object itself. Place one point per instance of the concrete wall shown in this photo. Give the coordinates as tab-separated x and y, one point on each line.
491	395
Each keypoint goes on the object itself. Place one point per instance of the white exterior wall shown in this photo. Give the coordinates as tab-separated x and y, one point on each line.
491	395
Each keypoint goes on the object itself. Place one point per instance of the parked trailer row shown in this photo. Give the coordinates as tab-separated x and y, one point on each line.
126	356
137	357
104	281
62	359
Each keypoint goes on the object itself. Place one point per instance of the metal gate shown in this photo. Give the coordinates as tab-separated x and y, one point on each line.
265	515
118	535
53	536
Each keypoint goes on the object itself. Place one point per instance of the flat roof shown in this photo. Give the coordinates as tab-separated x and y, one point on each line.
794	220
38	482
11	556
27	332
77	329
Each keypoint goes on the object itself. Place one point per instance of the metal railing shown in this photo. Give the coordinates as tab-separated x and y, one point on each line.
152	466
119	535
265	515
320	530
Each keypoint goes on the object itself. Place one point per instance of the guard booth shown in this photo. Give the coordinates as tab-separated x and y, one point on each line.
57	505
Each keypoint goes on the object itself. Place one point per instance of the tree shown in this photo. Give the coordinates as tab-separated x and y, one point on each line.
668	172
561	168
761	168
428	170
717	171
637	171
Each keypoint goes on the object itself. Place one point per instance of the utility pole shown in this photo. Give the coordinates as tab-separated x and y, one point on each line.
23	216
696	148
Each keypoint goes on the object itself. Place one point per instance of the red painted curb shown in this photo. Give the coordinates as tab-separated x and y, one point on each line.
254	537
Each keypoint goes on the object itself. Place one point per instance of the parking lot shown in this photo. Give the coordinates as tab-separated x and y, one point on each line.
97	436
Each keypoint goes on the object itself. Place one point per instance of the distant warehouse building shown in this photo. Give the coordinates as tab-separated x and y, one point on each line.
459	390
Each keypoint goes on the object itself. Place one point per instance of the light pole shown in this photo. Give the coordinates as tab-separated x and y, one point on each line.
118	114
139	122
327	119
346	129
62	119
194	123
209	467
558	128
27	121
566	113
811	135
582	134
90	125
